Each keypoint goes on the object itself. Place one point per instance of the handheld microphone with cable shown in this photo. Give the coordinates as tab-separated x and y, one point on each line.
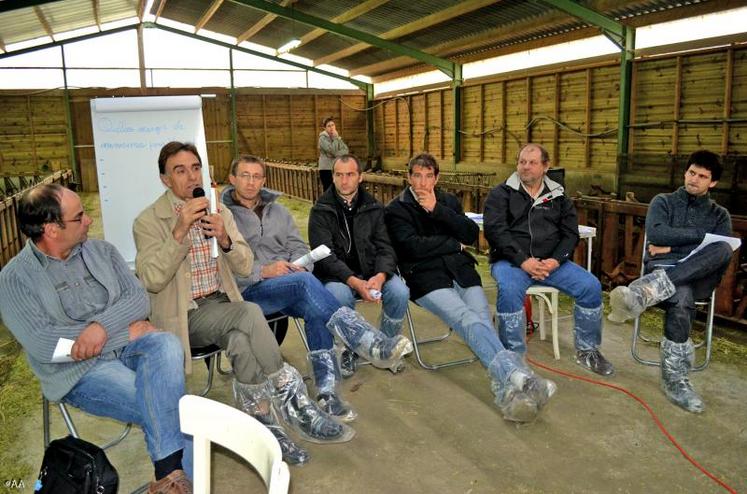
200	192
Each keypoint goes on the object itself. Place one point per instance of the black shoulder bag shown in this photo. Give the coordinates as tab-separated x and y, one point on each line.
74	466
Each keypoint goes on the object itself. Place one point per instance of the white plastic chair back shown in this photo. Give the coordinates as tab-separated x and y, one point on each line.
210	421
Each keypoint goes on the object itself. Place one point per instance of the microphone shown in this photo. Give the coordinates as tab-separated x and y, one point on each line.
200	192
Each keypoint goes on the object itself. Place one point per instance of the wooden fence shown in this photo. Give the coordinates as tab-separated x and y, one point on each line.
616	248
11	239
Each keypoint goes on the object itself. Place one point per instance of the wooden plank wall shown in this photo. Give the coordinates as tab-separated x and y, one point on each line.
573	111
32	133
281	125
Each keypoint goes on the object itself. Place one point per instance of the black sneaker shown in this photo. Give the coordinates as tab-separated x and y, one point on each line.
348	363
293	454
594	361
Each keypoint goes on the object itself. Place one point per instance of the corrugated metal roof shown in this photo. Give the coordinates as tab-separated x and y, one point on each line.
500	24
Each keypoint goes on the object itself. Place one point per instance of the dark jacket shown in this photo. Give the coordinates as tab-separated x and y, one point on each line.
680	221
429	245
372	244
518	227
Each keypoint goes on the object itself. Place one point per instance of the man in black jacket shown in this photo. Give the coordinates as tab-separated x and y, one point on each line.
430	232
350	221
676	224
532	229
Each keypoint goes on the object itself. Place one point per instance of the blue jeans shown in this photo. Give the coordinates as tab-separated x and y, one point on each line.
298	295
394	298
141	383
693	279
569	278
466	311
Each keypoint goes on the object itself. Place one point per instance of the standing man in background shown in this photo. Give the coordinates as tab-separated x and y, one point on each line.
331	147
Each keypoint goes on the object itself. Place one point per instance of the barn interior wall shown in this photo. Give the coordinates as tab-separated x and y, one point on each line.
274	124
680	103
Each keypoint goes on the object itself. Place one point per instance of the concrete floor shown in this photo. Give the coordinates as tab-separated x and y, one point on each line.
427	431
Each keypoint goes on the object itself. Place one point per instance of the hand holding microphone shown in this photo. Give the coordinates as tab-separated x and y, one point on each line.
211	224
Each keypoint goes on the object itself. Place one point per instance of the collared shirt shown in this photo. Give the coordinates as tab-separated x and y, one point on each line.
81	295
203	267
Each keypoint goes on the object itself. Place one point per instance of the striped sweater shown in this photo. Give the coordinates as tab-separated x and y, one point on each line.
31	309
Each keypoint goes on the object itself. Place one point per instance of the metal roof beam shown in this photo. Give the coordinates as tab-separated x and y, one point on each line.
434	19
260	24
44	22
475	41
446	66
8	5
360	84
68	40
209	13
348	16
610	27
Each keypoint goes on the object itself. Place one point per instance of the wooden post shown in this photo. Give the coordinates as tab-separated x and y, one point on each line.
264	127
426	126
555	128
505	123
396	126
441	123
528	130
290	120
728	89
677	102
482	122
587	140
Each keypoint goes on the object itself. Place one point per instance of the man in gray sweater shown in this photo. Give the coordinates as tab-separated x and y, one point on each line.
64	286
276	284
676	224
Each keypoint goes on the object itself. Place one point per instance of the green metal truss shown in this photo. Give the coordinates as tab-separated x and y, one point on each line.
624	37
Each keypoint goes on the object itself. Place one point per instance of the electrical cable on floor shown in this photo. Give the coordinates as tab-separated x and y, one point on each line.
648	409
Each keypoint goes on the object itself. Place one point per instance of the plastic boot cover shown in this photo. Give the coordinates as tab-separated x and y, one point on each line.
348	363
303	414
367	341
254	400
676	362
326	371
587	327
515	405
629	302
512	328
388	326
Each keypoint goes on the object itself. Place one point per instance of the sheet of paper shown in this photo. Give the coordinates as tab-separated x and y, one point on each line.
315	255
62	351
711	238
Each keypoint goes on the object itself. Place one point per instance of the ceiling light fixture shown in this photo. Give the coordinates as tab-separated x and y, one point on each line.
290	45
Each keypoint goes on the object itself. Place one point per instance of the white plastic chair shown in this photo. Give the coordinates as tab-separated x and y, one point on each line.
541	292
210	421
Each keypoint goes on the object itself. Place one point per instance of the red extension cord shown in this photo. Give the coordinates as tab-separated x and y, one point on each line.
650	412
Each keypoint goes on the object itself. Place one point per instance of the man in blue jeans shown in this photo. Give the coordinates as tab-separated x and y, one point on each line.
429	232
532	230
62	285
350	221
278	285
676	224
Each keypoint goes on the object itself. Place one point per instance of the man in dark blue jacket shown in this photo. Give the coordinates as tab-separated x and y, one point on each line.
430	232
676	224
532	229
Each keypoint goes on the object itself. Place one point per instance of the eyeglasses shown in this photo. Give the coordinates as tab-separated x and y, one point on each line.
251	178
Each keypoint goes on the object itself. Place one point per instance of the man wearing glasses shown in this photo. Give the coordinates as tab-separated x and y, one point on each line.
64	286
276	284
